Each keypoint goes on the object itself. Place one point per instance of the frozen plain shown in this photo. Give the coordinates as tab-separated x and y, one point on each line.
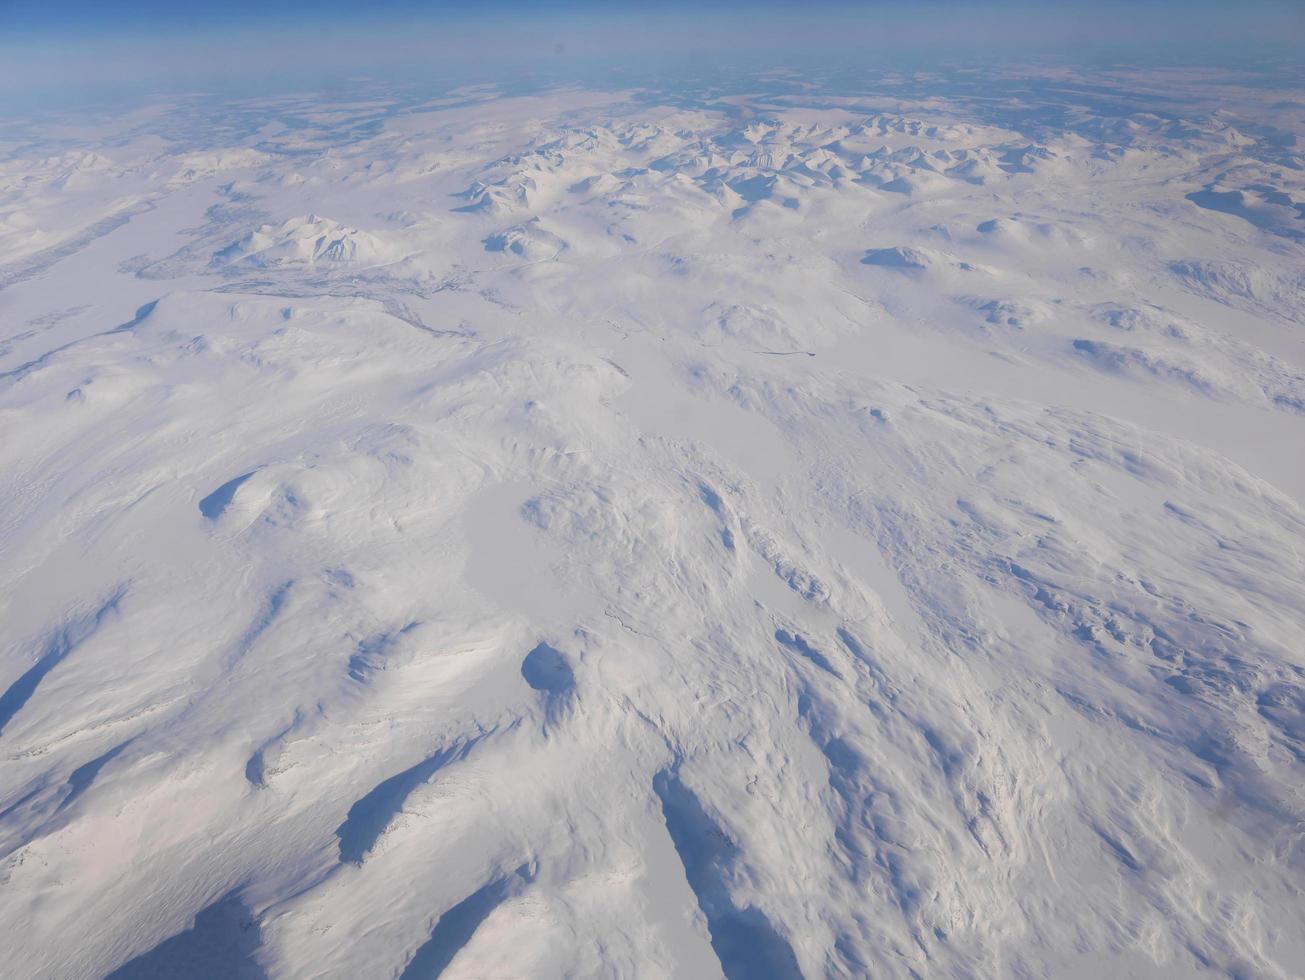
785	531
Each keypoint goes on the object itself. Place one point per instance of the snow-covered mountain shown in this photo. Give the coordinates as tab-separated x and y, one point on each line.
308	241
789	532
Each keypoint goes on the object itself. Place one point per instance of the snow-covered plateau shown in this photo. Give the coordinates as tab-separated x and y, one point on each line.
788	530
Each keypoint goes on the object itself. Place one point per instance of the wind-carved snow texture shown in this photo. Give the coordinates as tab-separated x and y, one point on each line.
798	528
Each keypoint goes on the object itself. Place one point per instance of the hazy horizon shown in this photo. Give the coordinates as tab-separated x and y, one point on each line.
99	52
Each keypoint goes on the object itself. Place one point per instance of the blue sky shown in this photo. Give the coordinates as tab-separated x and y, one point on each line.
70	18
166	44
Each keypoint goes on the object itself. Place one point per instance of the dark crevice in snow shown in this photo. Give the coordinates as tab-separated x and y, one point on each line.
745	941
797	644
370	815
63	643
216	502
81	778
456	926
547	670
220	945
